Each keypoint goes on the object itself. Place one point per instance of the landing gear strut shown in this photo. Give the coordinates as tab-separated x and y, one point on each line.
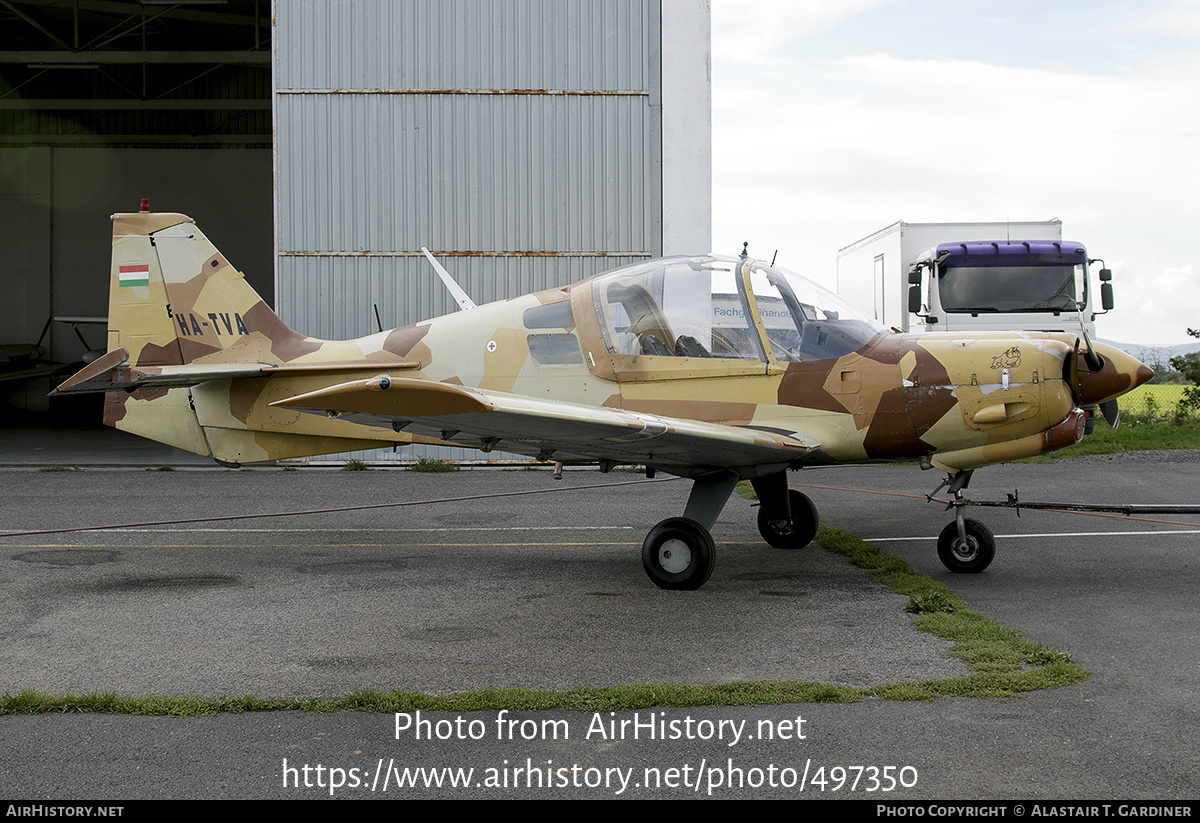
965	546
787	519
679	552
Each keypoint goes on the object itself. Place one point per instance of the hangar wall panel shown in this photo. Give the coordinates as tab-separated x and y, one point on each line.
686	127
334	296
520	140
486	173
465	44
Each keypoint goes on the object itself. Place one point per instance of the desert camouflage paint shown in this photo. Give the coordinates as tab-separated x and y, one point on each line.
597	372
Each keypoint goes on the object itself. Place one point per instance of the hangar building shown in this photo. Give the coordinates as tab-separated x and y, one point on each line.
527	143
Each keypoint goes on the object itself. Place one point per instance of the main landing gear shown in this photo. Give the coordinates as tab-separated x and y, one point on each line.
679	552
965	546
787	519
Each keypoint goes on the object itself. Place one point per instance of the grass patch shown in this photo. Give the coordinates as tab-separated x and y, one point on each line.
1000	661
612	698
355	466
1157	402
432	466
929	603
56	469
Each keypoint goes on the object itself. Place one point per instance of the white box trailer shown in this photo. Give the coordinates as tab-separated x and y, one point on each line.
988	277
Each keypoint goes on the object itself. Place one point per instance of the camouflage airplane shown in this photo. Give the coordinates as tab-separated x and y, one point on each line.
716	369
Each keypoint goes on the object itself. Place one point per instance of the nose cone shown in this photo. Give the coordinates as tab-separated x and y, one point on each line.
1120	373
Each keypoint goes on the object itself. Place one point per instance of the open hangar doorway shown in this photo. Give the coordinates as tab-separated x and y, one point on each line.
103	103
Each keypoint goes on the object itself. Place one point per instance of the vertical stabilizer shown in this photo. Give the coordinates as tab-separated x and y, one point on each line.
175	299
189	346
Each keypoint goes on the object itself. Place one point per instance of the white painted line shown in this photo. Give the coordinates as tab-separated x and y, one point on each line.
1046	534
409	531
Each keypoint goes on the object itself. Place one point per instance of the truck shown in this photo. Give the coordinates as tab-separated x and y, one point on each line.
958	277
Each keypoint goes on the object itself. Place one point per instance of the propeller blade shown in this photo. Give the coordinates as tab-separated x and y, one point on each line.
1093	360
1111	413
1071	372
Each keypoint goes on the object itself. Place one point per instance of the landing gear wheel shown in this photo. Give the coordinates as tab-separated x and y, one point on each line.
679	553
971	557
794	534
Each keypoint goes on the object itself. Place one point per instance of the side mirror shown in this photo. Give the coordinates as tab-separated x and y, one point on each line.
1106	295
914	276
914	296
1105	275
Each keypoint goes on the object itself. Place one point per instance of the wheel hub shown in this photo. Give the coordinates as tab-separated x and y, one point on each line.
967	550
674	556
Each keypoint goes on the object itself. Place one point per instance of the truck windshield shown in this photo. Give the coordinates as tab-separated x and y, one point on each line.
1027	288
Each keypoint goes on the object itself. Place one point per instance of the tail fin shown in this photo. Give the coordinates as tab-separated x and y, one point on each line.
184	328
175	299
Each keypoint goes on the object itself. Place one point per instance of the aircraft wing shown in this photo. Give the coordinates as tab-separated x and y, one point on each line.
547	429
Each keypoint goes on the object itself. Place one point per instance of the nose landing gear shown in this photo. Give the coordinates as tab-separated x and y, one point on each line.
965	546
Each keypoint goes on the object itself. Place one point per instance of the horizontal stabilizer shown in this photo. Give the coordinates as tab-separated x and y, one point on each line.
112	372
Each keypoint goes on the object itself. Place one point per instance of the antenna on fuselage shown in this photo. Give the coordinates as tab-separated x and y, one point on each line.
460	296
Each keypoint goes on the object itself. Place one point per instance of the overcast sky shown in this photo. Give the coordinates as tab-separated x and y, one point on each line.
835	119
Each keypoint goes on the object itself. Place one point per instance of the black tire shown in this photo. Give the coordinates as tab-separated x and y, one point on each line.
790	535
972	558
679	554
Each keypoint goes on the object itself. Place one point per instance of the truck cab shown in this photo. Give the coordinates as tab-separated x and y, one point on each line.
1019	285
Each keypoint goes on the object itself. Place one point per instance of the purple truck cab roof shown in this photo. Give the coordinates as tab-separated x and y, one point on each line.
979	251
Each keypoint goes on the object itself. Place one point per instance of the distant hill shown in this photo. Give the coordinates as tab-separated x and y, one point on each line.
1158	357
1160	353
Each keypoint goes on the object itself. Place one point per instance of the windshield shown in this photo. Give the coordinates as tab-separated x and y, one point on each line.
1028	288
698	307
805	322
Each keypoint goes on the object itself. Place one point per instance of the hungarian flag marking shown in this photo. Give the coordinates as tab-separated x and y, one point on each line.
133	275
